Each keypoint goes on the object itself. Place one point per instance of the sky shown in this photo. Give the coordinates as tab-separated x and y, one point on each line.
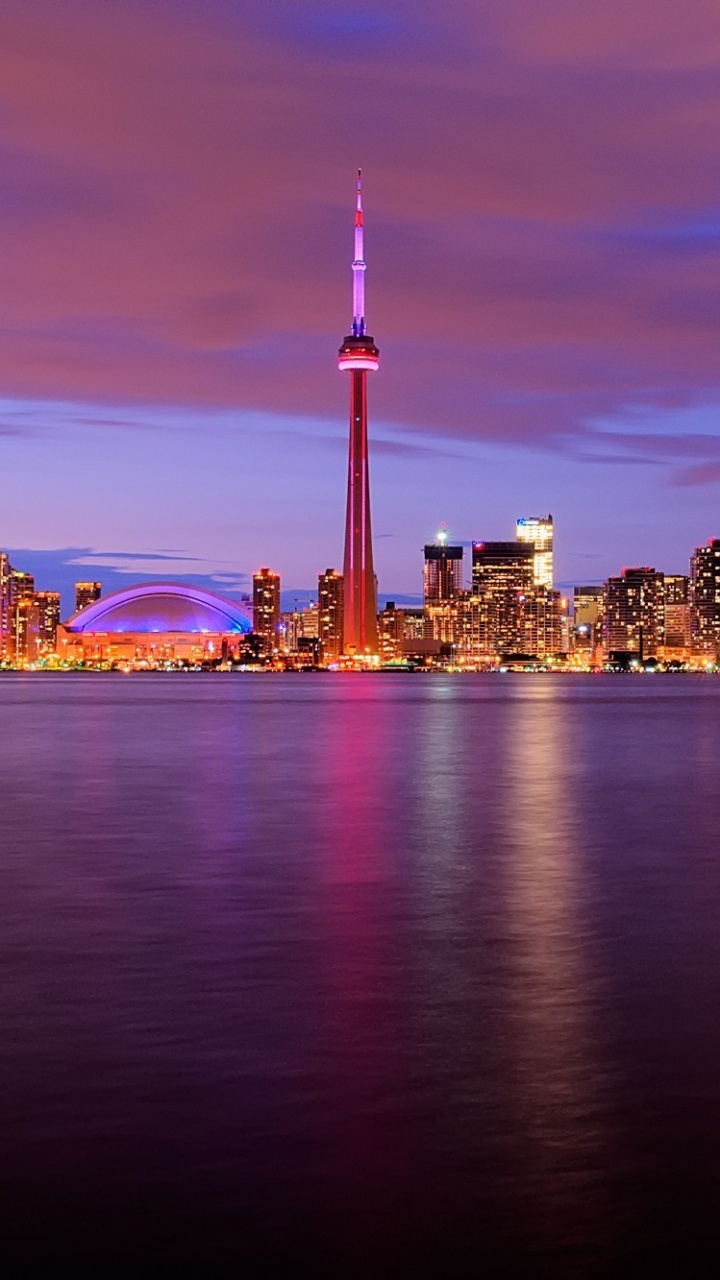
542	194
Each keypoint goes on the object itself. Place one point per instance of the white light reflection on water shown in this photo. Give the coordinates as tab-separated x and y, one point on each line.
561	1103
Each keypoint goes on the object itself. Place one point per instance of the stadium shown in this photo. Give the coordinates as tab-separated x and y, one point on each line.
156	622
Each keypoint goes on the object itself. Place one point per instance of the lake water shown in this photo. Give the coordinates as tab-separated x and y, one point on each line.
361	972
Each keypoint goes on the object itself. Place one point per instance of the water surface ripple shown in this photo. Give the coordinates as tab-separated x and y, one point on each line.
360	971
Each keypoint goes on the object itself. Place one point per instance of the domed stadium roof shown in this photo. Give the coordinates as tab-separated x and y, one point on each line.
161	606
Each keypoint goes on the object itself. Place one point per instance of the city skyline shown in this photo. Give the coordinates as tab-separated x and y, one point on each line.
66	583
174	221
511	613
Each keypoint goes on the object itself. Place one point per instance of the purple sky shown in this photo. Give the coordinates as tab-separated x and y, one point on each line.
542	194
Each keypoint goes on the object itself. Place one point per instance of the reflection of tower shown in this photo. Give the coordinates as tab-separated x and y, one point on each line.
358	354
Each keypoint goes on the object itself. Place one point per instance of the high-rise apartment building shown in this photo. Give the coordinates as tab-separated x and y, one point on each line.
472	643
331	610
502	620
266	608
545	615
441	621
413	623
289	630
442	586
47	604
391	630
310	622
538	531
86	593
503	579
676	588
634	613
442	571
588	605
22	585
677	635
24	640
705	599
5	600
23	631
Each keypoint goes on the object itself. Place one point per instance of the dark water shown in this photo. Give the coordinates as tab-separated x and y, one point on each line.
360	972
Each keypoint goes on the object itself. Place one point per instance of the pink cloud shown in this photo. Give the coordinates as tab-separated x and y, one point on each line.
541	182
704	473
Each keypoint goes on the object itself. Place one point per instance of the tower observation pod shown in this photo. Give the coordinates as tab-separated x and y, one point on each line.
359	356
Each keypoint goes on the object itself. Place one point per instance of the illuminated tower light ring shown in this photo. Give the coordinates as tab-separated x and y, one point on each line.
353	357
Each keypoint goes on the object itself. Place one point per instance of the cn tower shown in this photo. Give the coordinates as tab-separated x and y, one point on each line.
358	354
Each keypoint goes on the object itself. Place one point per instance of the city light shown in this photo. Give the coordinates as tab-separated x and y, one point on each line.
511	617
639	621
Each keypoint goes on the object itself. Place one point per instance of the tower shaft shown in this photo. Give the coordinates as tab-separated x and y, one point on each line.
359	355
360	632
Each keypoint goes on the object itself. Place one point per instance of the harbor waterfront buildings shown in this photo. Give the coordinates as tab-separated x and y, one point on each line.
503	617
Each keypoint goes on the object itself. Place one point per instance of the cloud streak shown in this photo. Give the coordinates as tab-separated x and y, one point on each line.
543	227
543	234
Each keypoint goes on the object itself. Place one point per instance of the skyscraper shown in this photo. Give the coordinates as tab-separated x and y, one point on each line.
588	605
86	593
5	572
442	571
538	530
442	588
48	613
331	611
266	607
705	599
22	645
502	577
634	613
677	636
359	355
545	615
310	622
391	626
22	585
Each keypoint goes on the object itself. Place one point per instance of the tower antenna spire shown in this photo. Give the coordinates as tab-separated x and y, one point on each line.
358	267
